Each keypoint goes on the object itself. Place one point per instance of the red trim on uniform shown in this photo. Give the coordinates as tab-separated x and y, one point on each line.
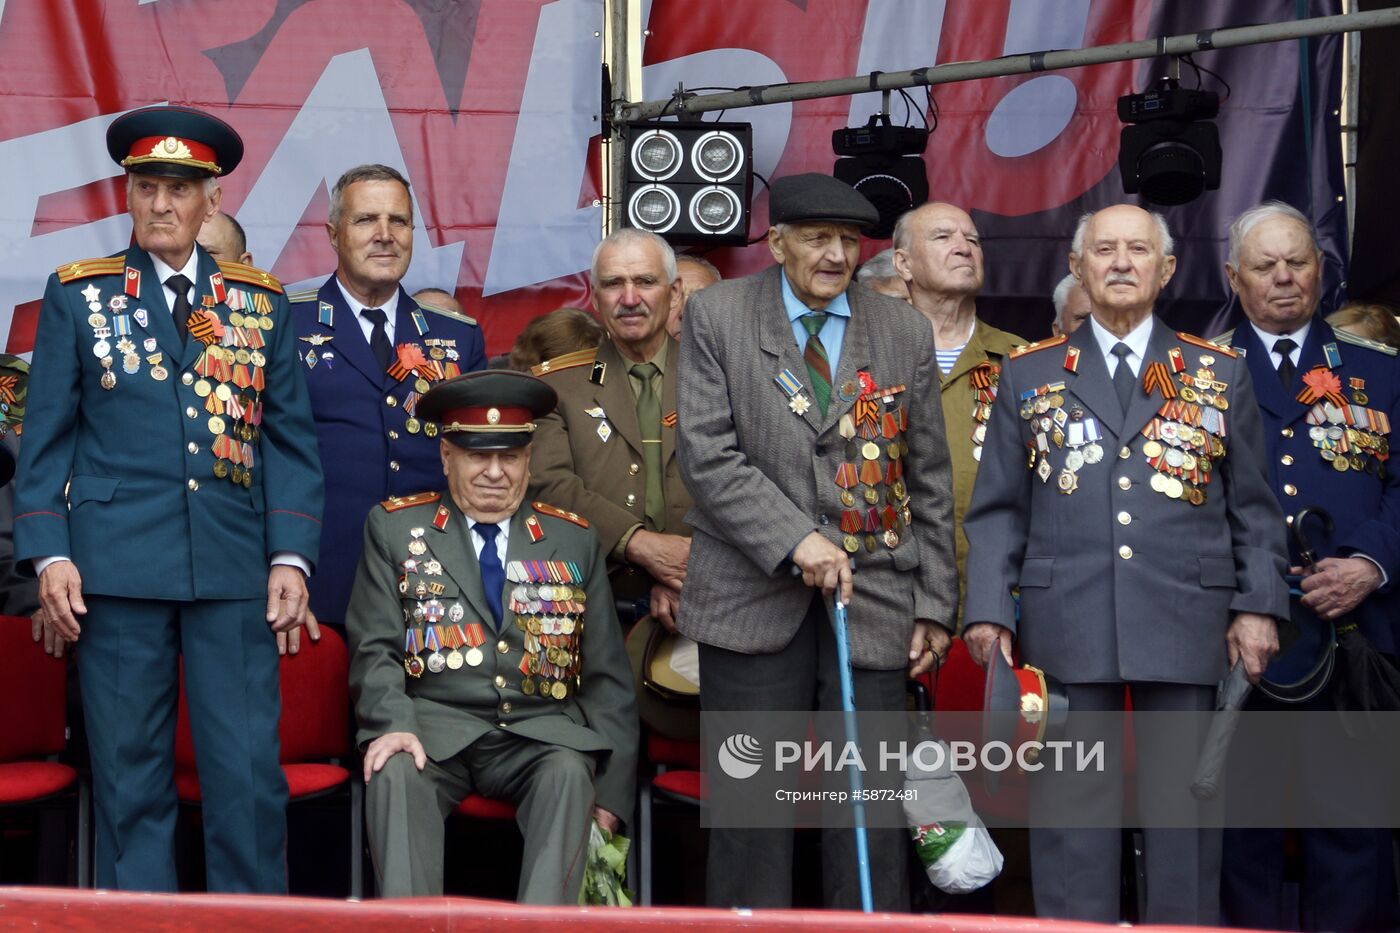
506	416
32	514
142	148
297	514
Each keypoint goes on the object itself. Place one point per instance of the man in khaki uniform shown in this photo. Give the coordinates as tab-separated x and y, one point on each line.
486	657
608	451
938	253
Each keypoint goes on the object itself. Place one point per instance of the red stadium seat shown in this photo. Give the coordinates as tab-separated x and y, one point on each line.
33	729
478	807
315	741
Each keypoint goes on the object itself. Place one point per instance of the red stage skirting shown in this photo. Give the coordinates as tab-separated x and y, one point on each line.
70	909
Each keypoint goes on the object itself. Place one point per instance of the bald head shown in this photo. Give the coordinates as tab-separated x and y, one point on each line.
938	253
222	237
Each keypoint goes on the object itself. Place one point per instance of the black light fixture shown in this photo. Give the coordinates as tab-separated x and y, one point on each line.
690	182
883	162
1169	152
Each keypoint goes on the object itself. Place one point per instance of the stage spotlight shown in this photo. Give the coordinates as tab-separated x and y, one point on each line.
1169	152
882	162
690	182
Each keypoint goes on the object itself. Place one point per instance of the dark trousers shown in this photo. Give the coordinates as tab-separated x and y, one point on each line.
129	657
753	867
1348	874
1076	873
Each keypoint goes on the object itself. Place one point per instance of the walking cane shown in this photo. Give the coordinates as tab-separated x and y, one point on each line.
848	709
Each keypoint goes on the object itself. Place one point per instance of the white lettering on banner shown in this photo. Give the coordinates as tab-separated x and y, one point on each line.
899	35
343	122
541	232
1033	113
55	160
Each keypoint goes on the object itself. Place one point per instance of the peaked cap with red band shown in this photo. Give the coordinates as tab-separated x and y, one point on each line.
178	142
493	409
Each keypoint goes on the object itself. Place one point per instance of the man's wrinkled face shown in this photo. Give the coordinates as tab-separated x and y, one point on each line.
693	278
1076	311
944	253
818	258
1279	276
219	241
631	294
373	240
167	213
1122	267
487	485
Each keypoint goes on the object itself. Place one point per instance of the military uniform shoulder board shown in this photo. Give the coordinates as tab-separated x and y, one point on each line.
306	294
1205	344
1038	345
1223	340
402	502
449	314
250	275
86	268
550	510
567	361
1356	340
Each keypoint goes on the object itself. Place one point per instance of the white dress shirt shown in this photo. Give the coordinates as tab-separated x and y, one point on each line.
391	308
1136	340
479	542
1299	337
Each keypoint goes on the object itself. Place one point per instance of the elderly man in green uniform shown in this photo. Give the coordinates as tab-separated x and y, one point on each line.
169	499
486	656
938	254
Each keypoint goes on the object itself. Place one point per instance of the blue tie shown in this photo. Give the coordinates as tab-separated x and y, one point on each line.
493	575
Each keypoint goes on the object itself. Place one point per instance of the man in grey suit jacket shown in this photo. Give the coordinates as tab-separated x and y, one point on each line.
820	453
1145	542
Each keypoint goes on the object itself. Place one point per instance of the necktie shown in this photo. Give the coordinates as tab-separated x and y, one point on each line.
181	311
493	575
1284	348
649	419
814	355
379	337
1123	378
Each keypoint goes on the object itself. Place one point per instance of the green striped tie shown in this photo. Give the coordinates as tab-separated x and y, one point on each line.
649	420
814	355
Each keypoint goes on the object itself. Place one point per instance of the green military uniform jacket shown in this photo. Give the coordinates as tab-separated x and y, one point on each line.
397	595
587	453
968	390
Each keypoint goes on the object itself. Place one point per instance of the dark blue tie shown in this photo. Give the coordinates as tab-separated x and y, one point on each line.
493	575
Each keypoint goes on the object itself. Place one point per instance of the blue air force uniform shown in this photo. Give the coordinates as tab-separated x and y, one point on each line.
1329	451
172	471
372	443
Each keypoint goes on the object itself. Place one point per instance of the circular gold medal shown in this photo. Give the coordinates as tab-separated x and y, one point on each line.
1158	483
850	544
216	425
222	392
242	356
527	686
560	690
420	385
871	496
265	323
430	429
221	469
202	388
438	353
412	426
870	450
1175	488
847	499
893	450
1152	449
474	657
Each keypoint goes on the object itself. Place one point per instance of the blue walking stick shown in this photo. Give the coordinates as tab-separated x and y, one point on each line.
848	709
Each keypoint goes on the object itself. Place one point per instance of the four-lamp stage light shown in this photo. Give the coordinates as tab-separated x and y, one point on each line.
690	182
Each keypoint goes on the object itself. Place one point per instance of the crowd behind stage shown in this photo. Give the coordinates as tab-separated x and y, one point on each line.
545	564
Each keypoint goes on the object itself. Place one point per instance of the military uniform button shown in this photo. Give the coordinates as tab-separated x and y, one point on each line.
394	465
823	519
500	725
1125	552
191	413
502	647
634	469
1289	489
631	498
500	681
505	708
192	447
1287	432
1124	454
193	484
187	379
390	401
393	435
1286	460
1124	483
1124	518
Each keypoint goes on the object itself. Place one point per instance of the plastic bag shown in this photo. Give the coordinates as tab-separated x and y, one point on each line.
956	850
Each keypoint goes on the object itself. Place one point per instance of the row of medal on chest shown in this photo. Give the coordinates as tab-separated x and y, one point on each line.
549	664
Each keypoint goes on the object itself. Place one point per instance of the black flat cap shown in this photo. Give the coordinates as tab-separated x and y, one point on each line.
178	142
818	198
492	409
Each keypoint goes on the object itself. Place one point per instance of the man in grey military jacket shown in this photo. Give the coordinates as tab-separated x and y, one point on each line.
486	656
1122	489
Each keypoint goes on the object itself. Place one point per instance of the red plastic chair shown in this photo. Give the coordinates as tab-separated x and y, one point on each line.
34	729
674	776
315	739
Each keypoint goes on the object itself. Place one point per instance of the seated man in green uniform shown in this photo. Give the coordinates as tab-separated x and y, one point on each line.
486	655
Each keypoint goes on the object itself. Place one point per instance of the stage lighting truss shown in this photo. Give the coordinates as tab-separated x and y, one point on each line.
690	182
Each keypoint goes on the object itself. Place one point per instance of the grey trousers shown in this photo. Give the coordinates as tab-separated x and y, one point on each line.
551	787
